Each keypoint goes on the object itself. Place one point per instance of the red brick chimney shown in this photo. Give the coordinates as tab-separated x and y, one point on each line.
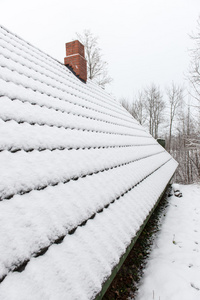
75	59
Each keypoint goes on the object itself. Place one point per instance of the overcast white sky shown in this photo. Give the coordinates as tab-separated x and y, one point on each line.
143	41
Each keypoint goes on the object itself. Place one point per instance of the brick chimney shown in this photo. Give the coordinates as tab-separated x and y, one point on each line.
75	59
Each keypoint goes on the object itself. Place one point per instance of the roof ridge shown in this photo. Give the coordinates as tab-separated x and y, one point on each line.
34	47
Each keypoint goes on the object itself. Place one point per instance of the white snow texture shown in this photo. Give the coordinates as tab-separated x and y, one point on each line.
78	178
173	269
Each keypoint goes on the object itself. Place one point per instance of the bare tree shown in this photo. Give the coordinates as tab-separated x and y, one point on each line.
194	71
175	97
187	154
155	108
147	107
194	79
139	108
97	67
125	103
136	108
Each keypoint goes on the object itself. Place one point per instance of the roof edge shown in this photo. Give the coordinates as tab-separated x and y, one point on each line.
116	269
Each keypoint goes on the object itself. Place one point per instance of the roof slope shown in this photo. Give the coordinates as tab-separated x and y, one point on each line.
78	177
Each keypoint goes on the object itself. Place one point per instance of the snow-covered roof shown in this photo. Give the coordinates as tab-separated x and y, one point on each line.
79	176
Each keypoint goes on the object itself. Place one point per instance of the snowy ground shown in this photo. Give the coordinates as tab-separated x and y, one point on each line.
173	270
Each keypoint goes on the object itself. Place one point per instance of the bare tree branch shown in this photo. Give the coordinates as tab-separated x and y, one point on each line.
155	107
97	67
194	69
175	97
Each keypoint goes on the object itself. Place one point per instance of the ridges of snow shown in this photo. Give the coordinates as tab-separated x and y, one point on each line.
77	267
42	216
79	175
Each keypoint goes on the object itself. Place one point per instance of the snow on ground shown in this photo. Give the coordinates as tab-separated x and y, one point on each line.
173	270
